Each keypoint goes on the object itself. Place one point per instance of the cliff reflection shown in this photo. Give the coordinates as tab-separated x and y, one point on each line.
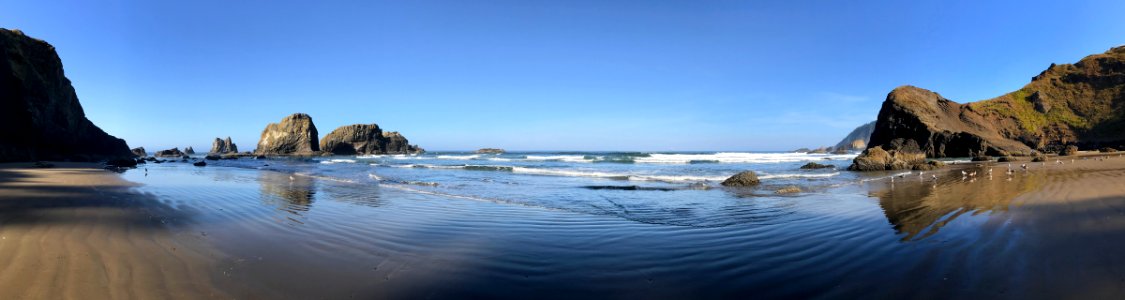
289	193
919	208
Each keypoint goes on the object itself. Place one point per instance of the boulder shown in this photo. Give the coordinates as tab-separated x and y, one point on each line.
930	165
1039	158
139	152
813	166
1005	159
1069	150
1107	150
174	153
221	146
897	158
212	157
200	164
365	139
742	179
294	135
40	115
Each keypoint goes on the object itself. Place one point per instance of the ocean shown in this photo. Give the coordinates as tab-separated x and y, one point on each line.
566	225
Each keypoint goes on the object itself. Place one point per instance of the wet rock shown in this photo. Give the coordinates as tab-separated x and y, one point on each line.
814	166
1069	151
212	157
174	152
901	157
792	189
200	164
742	179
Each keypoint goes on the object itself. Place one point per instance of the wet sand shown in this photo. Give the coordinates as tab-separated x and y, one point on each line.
77	232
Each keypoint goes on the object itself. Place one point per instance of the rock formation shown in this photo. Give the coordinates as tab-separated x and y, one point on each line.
1081	104
899	156
139	152
294	135
814	166
490	151
39	110
189	150
742	179
366	139
220	146
174	152
857	139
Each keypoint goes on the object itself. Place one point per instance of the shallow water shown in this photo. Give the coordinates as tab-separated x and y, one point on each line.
362	227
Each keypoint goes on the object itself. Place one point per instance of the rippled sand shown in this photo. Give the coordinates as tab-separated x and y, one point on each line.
177	231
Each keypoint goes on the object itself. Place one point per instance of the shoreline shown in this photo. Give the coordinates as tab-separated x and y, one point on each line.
77	231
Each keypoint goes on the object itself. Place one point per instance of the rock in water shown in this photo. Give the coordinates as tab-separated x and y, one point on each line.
174	152
792	189
139	152
200	164
189	150
857	139
813	166
742	179
220	146
39	110
294	135
366	139
490	151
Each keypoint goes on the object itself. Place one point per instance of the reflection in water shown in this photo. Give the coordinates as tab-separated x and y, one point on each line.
289	193
920	207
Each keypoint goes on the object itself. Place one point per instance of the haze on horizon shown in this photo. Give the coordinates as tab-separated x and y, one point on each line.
545	75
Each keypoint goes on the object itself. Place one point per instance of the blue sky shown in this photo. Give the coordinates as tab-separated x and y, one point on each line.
546	75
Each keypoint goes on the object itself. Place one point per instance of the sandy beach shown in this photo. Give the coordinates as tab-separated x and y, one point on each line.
78	232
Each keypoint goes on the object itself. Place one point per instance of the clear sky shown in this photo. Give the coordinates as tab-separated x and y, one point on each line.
546	75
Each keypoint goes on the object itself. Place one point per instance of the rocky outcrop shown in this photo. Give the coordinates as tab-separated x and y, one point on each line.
294	135
1081	104
903	156
174	152
189	150
139	152
40	116
365	139
857	139
490	151
220	146
742	179
814	166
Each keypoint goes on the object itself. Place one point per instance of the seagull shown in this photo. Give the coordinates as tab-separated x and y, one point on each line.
934	176
963	173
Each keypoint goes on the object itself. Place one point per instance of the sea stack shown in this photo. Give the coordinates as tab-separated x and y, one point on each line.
294	135
139	152
189	150
39	109
220	146
174	152
365	139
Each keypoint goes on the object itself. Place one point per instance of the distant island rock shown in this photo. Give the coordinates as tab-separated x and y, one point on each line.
490	151
174	152
189	150
856	140
139	152
1066	105
294	135
366	139
221	146
40	114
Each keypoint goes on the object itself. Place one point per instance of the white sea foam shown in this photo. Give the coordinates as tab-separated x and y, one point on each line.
459	157
564	158
333	161
738	157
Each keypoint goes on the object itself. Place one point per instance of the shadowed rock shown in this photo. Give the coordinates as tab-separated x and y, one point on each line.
366	139
139	152
174	152
40	116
